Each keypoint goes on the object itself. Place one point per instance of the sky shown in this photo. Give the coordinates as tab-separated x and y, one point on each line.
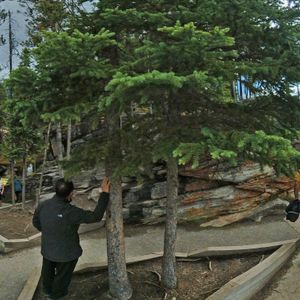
19	31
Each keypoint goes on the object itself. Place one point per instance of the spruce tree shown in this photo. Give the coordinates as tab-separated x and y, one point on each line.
195	65
183	62
21	118
54	16
72	70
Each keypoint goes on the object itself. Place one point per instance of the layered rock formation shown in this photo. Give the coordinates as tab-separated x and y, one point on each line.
213	195
211	192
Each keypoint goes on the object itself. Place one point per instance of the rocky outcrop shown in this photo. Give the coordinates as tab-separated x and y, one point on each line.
224	172
214	194
254	213
207	193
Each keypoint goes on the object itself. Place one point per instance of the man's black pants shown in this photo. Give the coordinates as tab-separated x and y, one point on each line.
56	277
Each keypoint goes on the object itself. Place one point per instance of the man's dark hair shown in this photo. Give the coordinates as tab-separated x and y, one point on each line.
63	188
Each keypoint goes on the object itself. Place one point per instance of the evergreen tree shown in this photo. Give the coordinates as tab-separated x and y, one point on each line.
72	70
187	71
187	64
134	23
55	16
23	138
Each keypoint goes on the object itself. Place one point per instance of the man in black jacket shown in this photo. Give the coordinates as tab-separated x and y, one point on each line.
59	221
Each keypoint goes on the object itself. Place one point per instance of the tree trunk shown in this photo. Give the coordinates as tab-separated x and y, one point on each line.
69	136
241	89
12	177
169	279
38	194
24	183
119	285
233	91
60	148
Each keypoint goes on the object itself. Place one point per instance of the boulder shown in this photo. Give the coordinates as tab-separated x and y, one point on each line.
130	197
135	213
158	212
99	174
47	189
149	203
94	195
199	185
162	202
211	208
267	184
159	190
84	179
47	196
48	181
147	211
257	211
138	193
226	173
126	213
244	173
223	194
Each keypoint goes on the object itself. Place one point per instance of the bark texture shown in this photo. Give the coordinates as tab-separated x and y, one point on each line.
119	285
169	278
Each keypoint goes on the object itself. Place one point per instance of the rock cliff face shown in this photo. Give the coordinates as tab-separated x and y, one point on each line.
211	192
214	194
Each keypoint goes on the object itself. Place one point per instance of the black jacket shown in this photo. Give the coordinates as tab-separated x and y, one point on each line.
59	221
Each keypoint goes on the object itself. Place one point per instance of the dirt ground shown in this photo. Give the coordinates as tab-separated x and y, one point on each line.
196	279
16	223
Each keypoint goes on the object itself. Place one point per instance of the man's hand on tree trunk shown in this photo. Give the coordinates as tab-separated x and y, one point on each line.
105	185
